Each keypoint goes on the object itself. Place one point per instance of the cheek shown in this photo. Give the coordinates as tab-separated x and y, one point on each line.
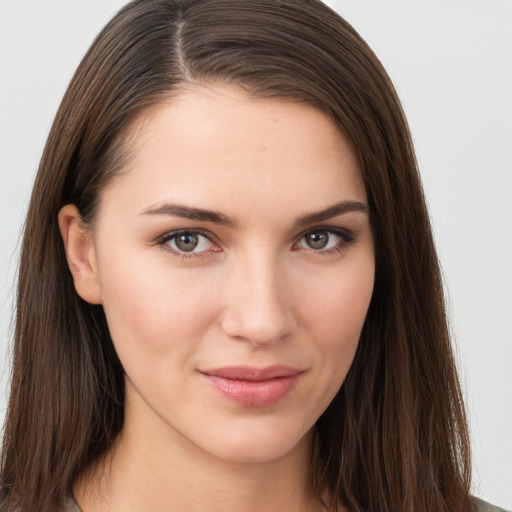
336	315
338	310
149	310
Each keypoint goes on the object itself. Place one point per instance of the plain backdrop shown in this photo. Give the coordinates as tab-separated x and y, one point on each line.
451	62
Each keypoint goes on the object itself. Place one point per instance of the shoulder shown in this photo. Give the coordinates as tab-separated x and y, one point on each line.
483	506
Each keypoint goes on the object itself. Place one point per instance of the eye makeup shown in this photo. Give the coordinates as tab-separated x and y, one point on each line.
194	243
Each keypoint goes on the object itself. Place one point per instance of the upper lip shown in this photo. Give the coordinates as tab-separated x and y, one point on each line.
253	374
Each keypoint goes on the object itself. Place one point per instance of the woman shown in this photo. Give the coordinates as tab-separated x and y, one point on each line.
229	296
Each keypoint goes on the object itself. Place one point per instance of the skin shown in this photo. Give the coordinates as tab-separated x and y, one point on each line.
253	292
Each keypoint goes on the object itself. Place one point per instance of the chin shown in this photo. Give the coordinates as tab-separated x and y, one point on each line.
251	447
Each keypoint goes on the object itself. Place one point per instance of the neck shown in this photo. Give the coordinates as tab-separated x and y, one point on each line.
166	472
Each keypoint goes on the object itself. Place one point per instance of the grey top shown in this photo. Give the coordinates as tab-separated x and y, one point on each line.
482	506
72	506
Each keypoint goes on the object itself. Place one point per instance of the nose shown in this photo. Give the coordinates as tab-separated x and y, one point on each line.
258	302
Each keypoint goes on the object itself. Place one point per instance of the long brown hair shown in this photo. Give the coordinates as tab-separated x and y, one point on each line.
395	437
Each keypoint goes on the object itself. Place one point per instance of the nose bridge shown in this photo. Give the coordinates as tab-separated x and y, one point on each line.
258	304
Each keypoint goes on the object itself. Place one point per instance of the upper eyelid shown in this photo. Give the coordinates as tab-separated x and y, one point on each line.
330	229
345	233
346	238
172	234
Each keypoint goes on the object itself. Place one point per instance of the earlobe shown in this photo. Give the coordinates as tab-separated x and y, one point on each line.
80	254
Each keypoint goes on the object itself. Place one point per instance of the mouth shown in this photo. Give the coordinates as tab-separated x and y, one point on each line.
253	387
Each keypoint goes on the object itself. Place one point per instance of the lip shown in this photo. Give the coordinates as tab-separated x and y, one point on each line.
253	387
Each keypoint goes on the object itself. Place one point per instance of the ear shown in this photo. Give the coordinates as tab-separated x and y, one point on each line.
80	254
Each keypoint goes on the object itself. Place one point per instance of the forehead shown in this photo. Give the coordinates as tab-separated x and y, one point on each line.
212	146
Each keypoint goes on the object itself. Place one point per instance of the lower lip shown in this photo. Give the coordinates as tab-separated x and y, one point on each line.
253	393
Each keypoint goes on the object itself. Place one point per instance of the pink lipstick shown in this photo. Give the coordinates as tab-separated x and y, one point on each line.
253	387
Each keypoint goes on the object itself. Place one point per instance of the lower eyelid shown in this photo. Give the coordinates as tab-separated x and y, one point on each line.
164	241
345	238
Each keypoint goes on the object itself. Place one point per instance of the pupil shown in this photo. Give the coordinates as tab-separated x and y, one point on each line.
317	240
187	242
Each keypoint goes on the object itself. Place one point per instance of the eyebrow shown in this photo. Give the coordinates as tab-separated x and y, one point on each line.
200	214
333	211
187	212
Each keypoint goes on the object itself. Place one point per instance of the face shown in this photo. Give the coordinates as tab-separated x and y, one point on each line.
234	260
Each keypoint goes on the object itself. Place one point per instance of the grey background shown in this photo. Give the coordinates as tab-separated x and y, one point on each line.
451	62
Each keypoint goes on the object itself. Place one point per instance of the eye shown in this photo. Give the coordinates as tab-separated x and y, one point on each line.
325	239
187	242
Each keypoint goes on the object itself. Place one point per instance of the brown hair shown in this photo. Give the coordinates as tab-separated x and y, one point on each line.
395	437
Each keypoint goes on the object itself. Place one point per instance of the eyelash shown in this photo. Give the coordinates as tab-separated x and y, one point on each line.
345	239
168	237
